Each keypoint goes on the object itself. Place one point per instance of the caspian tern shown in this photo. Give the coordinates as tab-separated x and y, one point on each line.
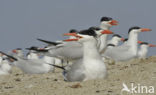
91	66
70	50
73	50
129	49
5	67
30	66
106	24
142	52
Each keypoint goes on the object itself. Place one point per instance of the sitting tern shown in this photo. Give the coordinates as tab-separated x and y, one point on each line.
30	66
129	49
5	66
91	66
142	52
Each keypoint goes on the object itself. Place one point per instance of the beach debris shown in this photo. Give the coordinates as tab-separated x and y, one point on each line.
78	85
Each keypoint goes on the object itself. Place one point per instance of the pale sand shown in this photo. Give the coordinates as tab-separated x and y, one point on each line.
136	71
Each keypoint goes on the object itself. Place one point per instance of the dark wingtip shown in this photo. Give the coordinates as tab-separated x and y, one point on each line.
32	48
48	42
9	56
58	66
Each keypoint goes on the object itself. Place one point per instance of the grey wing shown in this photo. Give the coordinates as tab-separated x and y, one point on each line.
71	50
117	53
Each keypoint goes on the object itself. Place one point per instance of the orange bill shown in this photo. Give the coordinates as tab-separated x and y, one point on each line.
71	40
106	32
151	45
114	22
145	29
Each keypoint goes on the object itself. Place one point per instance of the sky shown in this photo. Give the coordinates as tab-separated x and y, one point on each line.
23	21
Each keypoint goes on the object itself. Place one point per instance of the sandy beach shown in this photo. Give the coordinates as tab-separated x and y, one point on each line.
135	71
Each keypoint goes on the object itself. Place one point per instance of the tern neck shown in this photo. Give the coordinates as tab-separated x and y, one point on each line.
90	50
102	42
114	41
1	59
143	49
132	41
104	27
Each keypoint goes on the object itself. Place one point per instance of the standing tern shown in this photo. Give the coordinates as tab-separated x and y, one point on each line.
106	24
129	49
71	50
142	52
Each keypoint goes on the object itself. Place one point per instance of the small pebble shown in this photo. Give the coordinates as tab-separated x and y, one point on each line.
55	80
18	79
97	91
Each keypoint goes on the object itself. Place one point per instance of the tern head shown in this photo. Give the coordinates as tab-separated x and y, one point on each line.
17	50
125	40
82	35
100	31
108	22
137	29
32	49
145	44
92	32
117	37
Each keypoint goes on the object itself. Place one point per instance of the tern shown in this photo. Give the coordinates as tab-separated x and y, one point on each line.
5	66
106	24
30	66
128	50
69	50
142	52
73	50
91	66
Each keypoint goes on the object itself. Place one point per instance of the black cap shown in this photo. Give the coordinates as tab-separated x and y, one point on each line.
125	39
18	48
106	19
89	32
135	27
144	43
111	45
73	31
95	28
117	35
